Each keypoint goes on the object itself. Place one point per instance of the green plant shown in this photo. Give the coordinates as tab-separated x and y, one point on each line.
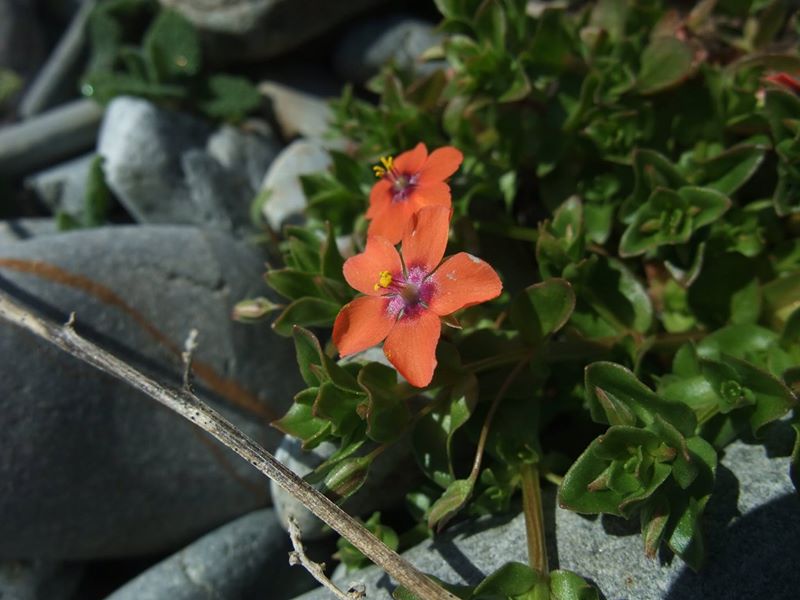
632	175
141	50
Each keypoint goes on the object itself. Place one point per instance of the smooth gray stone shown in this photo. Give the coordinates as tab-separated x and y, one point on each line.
92	468
286	200
368	46
247	151
58	79
38	580
167	167
753	534
63	188
243	560
17	230
142	146
53	136
258	29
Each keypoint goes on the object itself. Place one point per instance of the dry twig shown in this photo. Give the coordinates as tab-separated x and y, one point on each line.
317	570
192	408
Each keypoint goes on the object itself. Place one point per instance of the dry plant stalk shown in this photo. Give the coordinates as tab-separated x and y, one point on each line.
189	406
317	570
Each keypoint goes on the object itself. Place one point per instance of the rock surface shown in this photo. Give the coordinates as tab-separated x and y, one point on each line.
63	188
242	560
50	137
165	167
92	468
368	46
752	525
22	229
37	580
285	198
263	28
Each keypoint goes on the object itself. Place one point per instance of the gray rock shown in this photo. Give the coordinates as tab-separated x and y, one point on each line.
263	28
92	468
285	198
63	188
167	167
752	524
245	559
38	579
15	230
48	138
57	80
248	150
368	46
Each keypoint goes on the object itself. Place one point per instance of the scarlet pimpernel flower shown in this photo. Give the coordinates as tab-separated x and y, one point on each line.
407	292
407	183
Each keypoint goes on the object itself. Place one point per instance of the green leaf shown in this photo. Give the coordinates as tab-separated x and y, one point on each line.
728	171
292	284
331	261
610	300
309	356
306	312
666	62
511	580
654	517
386	412
347	477
229	97
450	503
616	473
172	47
542	309
618	383
300	422
339	407
566	585
686	538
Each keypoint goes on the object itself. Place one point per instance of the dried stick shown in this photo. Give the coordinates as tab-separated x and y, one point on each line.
317	570
192	408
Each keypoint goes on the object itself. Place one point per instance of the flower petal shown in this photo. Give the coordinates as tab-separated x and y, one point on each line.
363	271
361	324
425	238
412	161
392	221
463	280
432	193
411	346
441	163
380	197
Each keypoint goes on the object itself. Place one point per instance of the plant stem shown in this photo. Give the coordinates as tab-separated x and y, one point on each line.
195	410
487	424
534	518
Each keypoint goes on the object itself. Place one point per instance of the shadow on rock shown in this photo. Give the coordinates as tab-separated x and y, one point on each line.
754	558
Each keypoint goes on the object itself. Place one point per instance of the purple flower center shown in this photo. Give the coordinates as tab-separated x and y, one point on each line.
410	293
403	184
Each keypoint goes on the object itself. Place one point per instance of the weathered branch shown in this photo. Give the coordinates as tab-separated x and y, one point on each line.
192	408
299	557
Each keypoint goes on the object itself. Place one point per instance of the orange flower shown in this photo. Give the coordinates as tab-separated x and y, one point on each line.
412	180
406	296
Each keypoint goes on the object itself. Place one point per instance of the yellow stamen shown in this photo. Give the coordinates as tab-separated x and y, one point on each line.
384	280
388	165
